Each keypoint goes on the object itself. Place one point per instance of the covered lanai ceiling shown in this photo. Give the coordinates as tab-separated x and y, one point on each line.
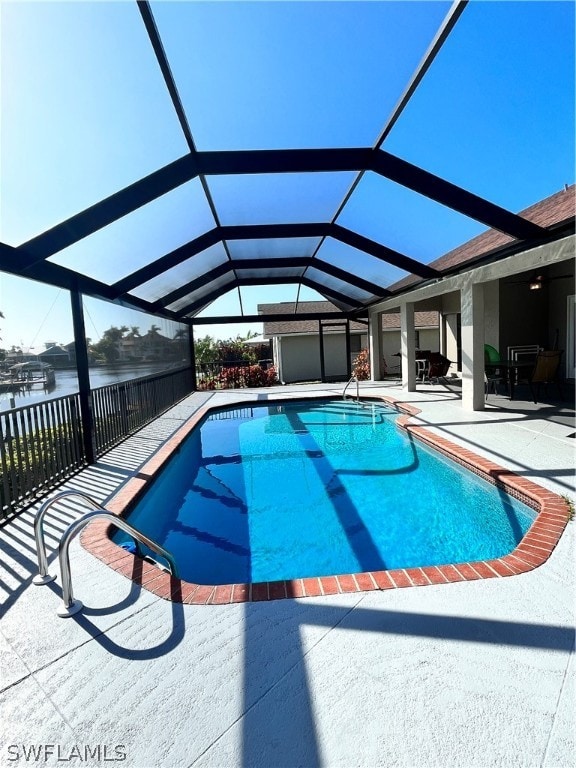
336	146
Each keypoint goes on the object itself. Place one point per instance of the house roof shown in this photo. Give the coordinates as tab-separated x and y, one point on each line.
55	349
555	210
422	320
289	167
390	321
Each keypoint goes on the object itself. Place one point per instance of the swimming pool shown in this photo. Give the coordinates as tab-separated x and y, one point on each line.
293	490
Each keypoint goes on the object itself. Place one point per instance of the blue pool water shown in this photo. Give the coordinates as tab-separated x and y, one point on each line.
316	489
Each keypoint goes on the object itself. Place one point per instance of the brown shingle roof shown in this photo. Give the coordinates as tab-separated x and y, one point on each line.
421	320
389	321
298	326
556	209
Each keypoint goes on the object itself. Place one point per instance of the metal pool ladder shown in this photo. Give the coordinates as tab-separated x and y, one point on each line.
352	378
70	605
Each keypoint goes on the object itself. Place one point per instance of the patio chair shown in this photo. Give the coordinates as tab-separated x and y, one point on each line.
491	380
438	366
492	374
394	369
545	371
491	354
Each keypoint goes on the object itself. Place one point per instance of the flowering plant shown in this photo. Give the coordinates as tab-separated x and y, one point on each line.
361	367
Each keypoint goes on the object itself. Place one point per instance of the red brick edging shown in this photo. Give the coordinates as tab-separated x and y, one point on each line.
534	549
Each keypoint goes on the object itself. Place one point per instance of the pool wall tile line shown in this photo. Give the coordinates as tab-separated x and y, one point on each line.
532	551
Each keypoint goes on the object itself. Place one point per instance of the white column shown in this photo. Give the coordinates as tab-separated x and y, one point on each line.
375	344
472	304
408	346
442	334
492	313
277	353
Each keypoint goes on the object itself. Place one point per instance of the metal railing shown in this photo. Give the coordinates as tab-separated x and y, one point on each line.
42	444
70	605
124	407
351	379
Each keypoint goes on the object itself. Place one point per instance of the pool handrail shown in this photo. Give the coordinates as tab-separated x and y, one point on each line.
72	606
43	577
350	380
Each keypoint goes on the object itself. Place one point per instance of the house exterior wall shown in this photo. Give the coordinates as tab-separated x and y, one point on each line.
300	358
570	356
335	364
297	358
523	316
451	348
429	338
492	313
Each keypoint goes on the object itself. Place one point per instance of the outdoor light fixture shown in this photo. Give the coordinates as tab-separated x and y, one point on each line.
536	283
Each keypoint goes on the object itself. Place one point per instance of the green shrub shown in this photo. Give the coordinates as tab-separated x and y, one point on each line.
30	462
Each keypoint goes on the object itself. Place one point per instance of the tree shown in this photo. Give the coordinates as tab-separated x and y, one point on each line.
249	335
235	350
205	350
108	346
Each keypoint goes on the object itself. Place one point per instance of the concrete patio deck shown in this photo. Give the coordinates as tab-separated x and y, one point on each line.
467	674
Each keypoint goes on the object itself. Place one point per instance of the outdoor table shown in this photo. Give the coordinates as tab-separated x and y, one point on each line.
512	370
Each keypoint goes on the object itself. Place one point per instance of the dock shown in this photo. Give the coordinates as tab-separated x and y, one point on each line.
23	376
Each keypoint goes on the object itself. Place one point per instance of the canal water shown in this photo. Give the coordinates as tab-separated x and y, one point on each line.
67	383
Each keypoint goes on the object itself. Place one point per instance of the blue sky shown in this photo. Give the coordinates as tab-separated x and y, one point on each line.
85	112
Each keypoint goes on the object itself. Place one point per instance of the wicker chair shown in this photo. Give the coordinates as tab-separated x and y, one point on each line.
546	371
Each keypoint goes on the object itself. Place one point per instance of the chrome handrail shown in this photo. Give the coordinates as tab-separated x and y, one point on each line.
43	577
72	606
352	378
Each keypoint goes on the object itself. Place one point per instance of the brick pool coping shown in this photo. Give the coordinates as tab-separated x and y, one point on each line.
533	550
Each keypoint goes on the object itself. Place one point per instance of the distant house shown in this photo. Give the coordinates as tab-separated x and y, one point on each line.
20	356
296	344
129	348
154	346
56	355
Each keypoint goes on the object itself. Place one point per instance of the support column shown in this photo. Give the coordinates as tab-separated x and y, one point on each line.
473	388
192	357
85	393
492	314
375	345
322	366
348	351
277	355
443	336
408	346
